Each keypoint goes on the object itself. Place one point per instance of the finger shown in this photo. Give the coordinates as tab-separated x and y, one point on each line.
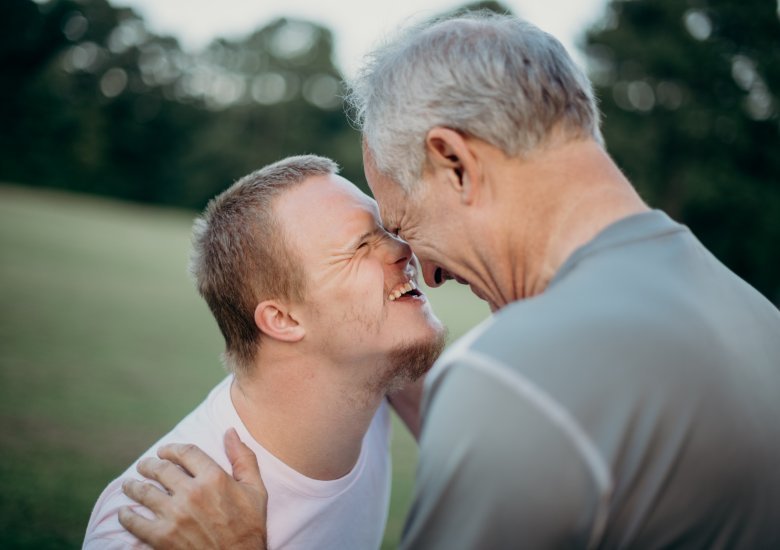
243	460
189	457
145	494
143	529
164	472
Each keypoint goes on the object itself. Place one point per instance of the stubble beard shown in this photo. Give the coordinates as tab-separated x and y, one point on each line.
409	362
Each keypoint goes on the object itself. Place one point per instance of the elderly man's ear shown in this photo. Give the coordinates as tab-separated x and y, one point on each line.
454	160
275	319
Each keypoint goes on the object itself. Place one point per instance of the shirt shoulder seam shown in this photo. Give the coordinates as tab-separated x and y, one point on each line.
560	417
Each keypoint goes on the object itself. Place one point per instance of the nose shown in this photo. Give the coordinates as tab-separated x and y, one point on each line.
433	274
399	252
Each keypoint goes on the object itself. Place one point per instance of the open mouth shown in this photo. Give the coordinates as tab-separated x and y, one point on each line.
405	290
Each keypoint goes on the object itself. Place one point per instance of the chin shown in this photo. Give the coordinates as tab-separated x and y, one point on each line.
414	357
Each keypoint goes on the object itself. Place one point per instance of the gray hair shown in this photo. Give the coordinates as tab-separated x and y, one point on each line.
240	255
494	77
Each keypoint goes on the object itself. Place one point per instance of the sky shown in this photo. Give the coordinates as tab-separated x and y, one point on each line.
357	25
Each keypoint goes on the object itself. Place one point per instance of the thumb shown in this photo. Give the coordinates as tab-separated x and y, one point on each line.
243	460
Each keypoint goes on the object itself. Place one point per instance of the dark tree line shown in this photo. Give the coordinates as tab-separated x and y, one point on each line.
90	100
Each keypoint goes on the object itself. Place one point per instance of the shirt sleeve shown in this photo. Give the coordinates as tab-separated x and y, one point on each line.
496	471
104	530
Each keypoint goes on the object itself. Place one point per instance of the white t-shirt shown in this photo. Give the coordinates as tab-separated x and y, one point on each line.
303	513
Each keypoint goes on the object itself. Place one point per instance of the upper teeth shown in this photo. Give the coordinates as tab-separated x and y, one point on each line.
401	290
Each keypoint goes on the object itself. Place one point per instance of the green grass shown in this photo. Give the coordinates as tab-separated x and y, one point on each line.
104	346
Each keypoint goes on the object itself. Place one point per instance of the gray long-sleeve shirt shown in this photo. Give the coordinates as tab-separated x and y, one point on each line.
633	404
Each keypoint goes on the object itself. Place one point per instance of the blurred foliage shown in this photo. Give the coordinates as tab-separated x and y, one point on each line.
689	91
92	101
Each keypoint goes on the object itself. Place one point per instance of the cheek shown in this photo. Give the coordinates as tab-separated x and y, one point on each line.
360	293
423	253
422	240
439	246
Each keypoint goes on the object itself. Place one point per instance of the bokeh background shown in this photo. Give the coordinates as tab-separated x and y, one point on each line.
114	134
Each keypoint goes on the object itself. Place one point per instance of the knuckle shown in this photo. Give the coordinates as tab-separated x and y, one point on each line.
188	449
245	452
143	491
164	467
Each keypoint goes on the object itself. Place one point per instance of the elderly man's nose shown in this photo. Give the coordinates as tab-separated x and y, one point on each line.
432	274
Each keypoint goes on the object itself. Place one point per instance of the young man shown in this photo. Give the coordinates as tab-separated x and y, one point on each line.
625	393
322	318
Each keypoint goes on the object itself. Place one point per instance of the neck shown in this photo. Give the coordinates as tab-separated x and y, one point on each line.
304	415
566	194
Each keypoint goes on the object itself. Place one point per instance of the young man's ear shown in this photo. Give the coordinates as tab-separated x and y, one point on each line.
451	156
275	319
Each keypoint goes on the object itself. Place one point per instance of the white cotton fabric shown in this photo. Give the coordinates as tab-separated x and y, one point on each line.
303	513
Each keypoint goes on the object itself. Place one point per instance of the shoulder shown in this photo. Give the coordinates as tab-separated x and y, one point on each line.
104	529
589	328
203	427
485	398
505	462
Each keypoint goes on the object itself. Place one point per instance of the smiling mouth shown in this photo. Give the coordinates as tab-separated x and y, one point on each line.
407	289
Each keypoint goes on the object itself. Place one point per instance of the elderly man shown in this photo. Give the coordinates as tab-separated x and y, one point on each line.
321	316
625	393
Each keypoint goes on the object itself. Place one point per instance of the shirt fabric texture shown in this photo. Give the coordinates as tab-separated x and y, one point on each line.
303	513
633	404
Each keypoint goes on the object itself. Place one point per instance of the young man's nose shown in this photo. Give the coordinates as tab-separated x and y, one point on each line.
399	252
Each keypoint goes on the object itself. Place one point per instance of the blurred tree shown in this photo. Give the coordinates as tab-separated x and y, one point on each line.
30	111
274	93
72	111
91	101
688	90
